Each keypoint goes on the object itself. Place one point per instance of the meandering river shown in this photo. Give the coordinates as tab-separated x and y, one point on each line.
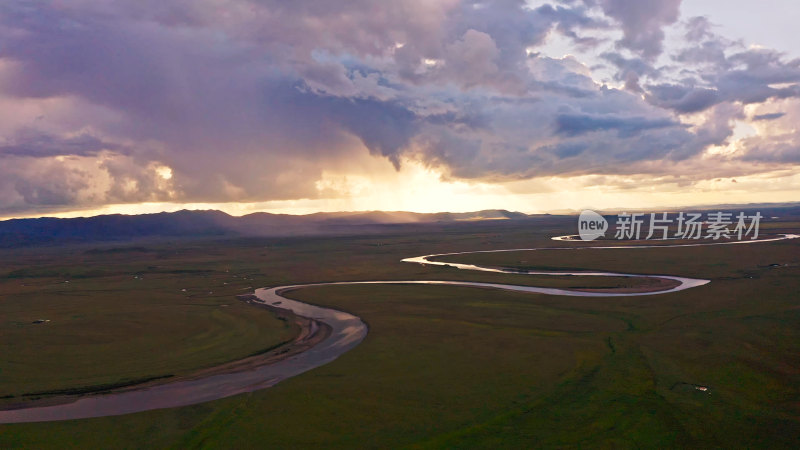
347	331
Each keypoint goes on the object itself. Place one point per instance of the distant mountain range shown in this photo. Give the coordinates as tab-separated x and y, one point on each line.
193	224
49	230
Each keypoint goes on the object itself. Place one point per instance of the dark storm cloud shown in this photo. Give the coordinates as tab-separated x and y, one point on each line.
630	70
753	76
770	116
577	124
636	65
253	100
683	99
784	152
573	19
36	144
642	22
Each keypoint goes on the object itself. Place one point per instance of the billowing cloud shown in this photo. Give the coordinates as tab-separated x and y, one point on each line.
202	101
642	22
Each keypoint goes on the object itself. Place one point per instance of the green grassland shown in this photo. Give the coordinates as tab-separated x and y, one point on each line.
442	367
119	329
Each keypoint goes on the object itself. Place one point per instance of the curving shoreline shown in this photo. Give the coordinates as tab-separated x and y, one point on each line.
343	332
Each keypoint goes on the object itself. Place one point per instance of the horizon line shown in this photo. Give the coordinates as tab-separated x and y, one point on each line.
86	214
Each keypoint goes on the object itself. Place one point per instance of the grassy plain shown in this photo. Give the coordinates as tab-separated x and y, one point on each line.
442	367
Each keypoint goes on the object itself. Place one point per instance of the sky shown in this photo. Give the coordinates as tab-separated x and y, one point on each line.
136	106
